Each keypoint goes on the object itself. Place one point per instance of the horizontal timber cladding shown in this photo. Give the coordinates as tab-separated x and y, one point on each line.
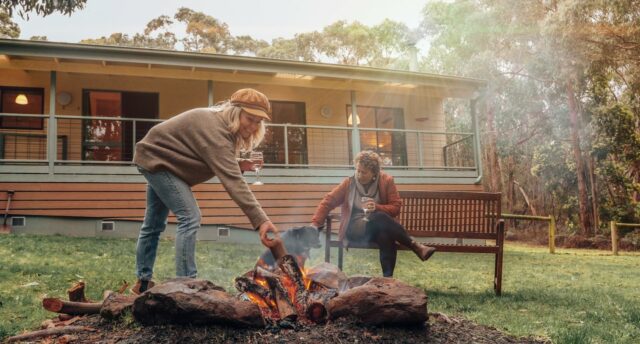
286	204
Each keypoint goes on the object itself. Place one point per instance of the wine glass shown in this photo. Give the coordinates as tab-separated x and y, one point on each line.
258	160
364	200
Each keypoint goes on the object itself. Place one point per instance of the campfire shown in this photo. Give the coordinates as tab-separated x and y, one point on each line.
285	295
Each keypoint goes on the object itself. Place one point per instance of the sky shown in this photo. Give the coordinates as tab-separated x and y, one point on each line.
262	19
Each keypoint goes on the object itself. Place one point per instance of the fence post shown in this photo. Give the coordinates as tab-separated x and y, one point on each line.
614	237
552	234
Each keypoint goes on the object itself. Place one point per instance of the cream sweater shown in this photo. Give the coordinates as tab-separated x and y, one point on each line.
195	146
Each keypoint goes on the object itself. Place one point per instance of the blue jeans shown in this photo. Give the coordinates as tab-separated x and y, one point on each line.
167	192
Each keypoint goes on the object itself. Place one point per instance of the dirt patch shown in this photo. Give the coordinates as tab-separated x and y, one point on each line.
439	329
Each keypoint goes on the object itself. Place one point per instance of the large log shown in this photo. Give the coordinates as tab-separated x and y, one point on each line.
69	307
381	301
115	305
195	302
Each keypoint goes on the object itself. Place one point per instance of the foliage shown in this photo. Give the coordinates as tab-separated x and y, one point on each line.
8	28
41	7
556	296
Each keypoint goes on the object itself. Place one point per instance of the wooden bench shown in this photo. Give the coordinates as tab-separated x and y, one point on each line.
455	216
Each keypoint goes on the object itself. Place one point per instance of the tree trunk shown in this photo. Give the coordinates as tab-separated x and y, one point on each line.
583	199
492	150
594	194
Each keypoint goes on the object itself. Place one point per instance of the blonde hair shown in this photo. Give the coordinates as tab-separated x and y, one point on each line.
231	115
369	160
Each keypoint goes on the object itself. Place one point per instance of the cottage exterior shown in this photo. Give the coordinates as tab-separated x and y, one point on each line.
70	115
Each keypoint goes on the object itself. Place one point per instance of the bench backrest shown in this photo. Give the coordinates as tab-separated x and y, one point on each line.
453	214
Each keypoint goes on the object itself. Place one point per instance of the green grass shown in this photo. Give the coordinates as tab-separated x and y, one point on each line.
574	296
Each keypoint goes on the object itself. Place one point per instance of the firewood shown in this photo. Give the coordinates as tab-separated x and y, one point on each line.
123	287
277	248
283	301
316	309
76	293
286	309
49	332
65	317
326	274
69	307
194	302
381	301
290	267
115	305
247	285
67	338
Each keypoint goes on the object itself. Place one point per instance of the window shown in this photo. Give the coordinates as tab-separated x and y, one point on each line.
21	100
114	140
273	144
392	146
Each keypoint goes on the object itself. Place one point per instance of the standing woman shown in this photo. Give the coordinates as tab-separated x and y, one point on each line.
374	190
189	149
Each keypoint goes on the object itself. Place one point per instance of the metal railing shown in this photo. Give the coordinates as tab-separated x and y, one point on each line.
111	140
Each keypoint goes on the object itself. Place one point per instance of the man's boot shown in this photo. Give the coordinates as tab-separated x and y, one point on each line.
142	286
423	252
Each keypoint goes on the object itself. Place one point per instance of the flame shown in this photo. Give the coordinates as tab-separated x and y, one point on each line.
257	300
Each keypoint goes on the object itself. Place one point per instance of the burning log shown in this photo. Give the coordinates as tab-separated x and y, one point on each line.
286	309
289	265
316	309
381	301
247	285
195	302
276	246
70	307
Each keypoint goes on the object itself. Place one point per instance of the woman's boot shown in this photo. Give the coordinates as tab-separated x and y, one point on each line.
423	252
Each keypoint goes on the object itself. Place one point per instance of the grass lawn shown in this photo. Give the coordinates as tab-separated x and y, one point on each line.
574	296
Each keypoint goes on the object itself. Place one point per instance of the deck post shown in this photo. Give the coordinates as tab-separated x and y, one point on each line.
52	130
355	136
210	92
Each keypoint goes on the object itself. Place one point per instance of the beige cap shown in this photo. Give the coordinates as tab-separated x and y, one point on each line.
253	102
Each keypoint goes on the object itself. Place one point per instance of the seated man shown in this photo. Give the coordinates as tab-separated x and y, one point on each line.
369	203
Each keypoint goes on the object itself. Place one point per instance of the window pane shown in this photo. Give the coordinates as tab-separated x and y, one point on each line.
34	106
273	145
103	138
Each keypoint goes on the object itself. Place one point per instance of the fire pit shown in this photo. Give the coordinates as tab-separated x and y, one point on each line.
290	293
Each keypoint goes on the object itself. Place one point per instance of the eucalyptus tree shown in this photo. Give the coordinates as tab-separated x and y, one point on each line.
204	32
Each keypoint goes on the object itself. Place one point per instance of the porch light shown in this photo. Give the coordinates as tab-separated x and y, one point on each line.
350	119
21	99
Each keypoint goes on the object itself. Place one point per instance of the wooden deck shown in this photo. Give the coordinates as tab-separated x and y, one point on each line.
286	204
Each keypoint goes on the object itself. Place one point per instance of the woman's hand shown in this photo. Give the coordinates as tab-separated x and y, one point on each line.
266	228
246	165
370	206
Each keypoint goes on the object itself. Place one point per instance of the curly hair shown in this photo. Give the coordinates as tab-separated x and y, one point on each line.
369	160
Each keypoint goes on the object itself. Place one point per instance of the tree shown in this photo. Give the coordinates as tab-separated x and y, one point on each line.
41	7
204	33
347	43
8	28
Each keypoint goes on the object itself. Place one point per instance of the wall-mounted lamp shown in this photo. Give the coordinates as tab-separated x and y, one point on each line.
21	99
350	119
